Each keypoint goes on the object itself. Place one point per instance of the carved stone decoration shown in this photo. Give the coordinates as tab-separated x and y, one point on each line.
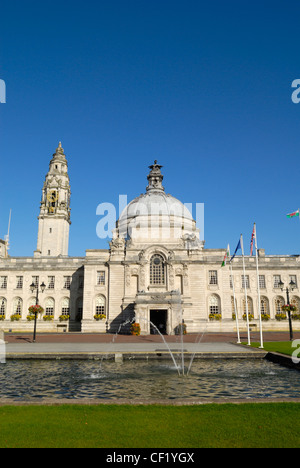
127	275
171	256
191	242
185	274
117	244
171	276
142	255
142	276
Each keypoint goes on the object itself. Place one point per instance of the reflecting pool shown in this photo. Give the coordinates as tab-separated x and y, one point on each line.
147	380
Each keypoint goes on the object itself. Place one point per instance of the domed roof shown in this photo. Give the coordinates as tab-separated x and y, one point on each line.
156	203
155	209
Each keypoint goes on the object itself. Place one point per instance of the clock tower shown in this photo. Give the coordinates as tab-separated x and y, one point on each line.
54	217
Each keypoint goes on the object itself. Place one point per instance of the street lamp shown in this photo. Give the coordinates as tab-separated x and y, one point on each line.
289	288
35	287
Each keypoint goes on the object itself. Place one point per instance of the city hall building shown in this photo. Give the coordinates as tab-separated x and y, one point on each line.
156	272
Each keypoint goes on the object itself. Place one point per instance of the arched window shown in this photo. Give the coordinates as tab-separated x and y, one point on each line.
234	308
250	306
295	301
157	270
279	302
100	305
2	306
264	306
17	306
49	307
65	306
214	304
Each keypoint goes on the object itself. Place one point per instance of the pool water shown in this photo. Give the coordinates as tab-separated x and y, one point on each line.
147	380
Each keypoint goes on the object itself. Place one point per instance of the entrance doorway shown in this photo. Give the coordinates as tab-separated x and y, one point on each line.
159	319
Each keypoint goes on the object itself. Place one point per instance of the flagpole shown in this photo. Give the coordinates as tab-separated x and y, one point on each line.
246	298
235	309
6	238
258	291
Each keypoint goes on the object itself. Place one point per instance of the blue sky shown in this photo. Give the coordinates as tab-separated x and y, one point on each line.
203	87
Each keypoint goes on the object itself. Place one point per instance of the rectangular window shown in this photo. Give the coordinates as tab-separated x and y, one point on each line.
67	282
49	311
51	282
213	277
100	310
19	284
262	281
101	278
277	279
3	282
245	281
294	279
35	281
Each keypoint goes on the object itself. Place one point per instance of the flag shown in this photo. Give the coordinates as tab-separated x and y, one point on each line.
238	247
226	257
252	240
294	214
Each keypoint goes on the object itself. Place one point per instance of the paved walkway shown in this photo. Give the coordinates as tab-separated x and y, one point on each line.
112	348
74	345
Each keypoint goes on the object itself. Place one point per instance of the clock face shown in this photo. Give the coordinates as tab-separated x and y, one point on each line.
52	197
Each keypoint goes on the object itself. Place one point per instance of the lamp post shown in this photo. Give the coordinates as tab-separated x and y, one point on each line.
289	288
35	287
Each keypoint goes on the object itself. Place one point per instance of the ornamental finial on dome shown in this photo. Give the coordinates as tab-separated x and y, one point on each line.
155	178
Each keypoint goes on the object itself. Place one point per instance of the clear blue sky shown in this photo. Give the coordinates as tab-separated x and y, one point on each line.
203	87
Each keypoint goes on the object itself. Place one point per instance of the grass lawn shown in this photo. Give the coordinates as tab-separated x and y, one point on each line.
283	347
226	425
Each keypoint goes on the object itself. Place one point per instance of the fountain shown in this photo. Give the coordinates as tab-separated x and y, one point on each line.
165	342
182	370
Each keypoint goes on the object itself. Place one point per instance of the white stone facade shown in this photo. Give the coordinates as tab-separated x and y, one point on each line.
155	272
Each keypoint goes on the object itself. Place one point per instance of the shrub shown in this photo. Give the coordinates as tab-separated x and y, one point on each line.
250	316
181	329
15	317
217	317
135	329
99	317
64	318
30	317
48	318
280	317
